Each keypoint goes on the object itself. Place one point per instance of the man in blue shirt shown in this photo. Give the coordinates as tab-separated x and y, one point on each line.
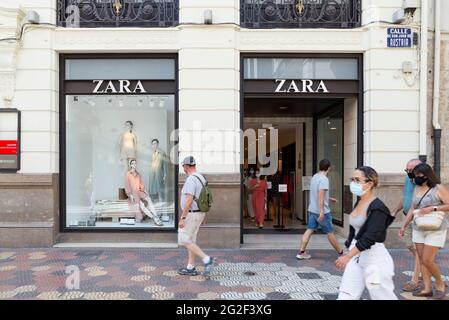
404	206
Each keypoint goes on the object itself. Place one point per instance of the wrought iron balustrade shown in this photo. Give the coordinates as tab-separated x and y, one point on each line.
337	14
118	13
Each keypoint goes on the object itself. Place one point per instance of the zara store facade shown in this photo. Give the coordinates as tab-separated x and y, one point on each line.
95	95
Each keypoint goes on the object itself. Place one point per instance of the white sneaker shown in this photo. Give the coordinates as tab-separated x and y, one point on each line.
303	256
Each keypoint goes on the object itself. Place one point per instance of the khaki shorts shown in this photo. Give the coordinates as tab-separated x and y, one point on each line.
193	222
430	238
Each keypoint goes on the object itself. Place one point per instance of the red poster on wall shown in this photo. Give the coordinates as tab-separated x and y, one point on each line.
8	146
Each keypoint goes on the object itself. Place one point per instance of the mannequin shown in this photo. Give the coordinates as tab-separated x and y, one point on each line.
158	171
135	190
128	145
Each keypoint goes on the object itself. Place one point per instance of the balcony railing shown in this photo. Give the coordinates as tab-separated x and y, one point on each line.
337	14
118	13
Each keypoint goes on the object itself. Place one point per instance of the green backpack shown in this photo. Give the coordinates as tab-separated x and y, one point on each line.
205	200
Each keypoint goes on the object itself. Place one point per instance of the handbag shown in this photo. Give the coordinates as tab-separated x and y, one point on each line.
428	222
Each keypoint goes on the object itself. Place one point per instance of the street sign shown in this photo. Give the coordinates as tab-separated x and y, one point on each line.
399	37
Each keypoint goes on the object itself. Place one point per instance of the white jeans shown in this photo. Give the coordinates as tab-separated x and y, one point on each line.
373	269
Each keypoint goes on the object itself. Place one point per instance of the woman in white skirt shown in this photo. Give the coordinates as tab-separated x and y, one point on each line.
368	263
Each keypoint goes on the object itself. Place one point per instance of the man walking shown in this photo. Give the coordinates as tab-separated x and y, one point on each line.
191	219
319	212
404	206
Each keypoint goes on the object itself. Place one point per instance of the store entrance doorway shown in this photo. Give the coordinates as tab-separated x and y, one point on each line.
307	130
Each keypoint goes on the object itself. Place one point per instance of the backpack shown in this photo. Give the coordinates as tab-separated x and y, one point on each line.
205	200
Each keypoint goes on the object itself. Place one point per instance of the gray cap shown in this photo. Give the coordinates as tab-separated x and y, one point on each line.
189	161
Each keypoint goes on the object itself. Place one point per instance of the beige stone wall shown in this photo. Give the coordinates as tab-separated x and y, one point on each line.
444	105
444	108
28	210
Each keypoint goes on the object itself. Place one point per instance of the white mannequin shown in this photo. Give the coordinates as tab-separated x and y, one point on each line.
128	145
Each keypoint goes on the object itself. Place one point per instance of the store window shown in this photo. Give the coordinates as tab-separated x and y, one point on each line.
119	172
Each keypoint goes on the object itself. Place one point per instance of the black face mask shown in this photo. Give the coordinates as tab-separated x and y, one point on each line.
420	180
411	175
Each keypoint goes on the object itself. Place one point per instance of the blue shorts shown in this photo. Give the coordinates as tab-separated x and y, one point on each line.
326	224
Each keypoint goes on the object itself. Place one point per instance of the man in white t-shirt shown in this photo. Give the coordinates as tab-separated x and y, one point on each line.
319	212
191	219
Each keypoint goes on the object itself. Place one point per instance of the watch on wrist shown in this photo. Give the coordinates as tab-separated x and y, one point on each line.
435	208
183	218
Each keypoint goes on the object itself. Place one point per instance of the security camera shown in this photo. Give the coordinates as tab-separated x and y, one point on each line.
410	6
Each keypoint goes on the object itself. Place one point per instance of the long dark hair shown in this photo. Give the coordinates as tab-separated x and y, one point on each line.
427	171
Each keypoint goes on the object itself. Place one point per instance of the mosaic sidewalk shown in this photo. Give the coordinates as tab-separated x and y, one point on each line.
151	274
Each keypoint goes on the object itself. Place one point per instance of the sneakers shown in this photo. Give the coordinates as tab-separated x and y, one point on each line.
188	272
208	267
303	256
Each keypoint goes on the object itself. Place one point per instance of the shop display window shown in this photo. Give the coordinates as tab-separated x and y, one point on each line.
118	168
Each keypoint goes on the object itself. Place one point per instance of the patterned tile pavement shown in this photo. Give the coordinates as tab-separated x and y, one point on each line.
106	274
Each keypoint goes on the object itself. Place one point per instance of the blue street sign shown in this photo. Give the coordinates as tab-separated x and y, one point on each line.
399	37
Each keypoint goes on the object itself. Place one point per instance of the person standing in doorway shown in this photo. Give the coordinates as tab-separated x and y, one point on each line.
404	206
319	212
259	187
191	220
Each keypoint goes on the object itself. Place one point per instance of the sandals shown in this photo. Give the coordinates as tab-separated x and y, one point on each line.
440	294
410	286
423	294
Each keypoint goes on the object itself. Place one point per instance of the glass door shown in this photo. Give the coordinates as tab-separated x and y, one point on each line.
329	145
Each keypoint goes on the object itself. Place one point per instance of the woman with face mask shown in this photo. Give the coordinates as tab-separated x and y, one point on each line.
259	188
429	196
368	263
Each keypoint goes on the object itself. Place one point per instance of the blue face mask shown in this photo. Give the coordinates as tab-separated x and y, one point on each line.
357	189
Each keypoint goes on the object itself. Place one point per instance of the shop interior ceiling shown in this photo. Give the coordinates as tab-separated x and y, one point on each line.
258	107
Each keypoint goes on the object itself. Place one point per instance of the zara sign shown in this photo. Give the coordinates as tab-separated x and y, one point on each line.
118	86
300	86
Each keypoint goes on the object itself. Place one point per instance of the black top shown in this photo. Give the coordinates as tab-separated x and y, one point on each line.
375	227
275	181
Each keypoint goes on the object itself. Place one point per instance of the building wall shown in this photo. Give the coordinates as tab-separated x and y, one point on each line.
209	82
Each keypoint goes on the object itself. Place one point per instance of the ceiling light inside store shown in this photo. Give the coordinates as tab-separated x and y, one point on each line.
139	102
162	103
121	103
151	103
333	128
283	108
